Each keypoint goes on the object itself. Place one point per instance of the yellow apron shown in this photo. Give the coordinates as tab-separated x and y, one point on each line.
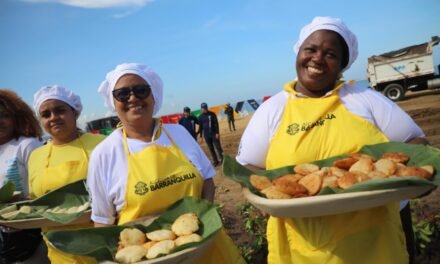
56	177
313	129
151	190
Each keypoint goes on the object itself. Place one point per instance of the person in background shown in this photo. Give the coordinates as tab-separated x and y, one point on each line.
209	129
144	152
349	117
229	112
189	122
65	158
20	134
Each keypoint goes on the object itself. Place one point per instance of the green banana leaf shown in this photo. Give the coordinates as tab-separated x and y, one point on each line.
74	194
419	155
7	191
102	243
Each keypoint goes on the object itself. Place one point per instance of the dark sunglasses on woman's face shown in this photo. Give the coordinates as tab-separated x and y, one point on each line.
140	91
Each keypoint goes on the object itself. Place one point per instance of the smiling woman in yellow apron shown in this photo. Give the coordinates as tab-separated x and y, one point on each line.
144	167
316	117
64	159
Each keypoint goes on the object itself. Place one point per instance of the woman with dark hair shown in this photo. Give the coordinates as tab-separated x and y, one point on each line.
20	134
318	116
145	151
65	158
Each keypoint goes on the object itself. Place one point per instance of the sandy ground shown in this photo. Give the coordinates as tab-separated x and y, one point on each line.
423	107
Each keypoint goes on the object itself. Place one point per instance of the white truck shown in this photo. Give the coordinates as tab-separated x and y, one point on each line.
411	68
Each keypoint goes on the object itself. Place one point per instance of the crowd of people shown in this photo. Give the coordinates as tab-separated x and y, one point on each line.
144	150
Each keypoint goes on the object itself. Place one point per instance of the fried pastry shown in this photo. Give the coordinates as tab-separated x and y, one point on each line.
335	171
130	254
312	182
362	165
288	177
185	224
396	157
413	171
290	185
377	175
344	163
305	168
131	236
330	181
386	166
273	192
359	156
187	239
429	168
161	234
162	247
360	176
149	244
260	182
347	180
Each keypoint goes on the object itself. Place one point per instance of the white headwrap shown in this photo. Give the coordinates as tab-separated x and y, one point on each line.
141	70
333	24
59	93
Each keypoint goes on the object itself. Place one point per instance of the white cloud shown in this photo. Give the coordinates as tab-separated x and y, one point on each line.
96	3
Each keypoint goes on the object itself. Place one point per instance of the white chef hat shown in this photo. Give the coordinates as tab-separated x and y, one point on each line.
333	24
59	93
141	70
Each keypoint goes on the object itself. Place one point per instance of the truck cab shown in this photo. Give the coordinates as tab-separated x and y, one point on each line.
410	68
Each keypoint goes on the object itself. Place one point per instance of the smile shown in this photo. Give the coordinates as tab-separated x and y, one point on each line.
314	70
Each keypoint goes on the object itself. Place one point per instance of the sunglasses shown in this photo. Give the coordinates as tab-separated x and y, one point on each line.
140	91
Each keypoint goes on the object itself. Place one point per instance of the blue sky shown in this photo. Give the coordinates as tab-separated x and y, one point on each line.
214	51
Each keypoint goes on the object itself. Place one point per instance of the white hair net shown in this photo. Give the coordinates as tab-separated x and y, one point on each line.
141	70
59	93
333	24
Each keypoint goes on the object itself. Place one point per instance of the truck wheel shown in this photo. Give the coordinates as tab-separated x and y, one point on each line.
394	91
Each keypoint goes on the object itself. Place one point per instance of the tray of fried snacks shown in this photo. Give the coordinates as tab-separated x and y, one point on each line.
375	175
66	205
180	235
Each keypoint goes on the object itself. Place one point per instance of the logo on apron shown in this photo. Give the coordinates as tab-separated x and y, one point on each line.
294	128
140	188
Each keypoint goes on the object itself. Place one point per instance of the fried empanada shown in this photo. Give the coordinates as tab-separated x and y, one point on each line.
273	192
359	156
362	165
130	254
396	157
260	182
149	244
344	163
131	236
377	175
288	177
187	239
331	181
360	176
162	247
312	182
185	224
429	168
305	168
413	171
289	184
161	234
347	180
386	166
335	171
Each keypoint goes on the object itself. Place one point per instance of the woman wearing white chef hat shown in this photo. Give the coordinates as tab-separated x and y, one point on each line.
145	153
65	158
318	116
